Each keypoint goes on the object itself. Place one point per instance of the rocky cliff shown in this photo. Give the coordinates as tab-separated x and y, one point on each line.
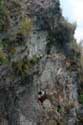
38	76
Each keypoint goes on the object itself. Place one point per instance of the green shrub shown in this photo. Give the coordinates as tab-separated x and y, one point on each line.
3	57
81	98
25	26
34	60
2	15
59	109
20	67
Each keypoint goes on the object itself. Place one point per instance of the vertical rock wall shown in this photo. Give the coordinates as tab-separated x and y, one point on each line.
50	75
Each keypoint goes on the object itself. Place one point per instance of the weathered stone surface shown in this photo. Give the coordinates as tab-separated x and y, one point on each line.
20	105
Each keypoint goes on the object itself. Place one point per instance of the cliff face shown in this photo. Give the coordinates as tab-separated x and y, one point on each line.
20	103
31	71
40	14
60	86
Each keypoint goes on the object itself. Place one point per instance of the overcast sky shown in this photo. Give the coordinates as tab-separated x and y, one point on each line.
73	11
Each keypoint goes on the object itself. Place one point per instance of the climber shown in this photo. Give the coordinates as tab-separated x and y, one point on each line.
42	96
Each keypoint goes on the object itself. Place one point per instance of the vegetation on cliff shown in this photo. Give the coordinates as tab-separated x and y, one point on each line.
18	21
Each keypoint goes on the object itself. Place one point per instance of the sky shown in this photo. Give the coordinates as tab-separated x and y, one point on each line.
73	11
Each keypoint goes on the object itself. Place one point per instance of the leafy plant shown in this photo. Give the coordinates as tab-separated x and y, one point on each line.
3	57
21	67
12	50
59	109
81	98
34	59
25	26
